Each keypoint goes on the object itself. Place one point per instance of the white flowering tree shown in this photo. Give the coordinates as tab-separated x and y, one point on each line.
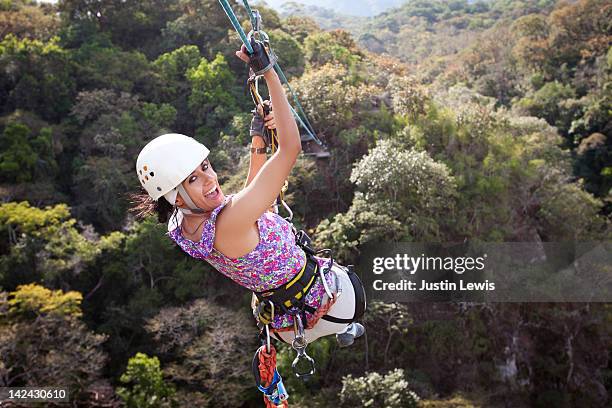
418	187
376	390
403	194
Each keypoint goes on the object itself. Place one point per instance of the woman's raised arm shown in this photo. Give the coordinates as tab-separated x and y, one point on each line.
250	203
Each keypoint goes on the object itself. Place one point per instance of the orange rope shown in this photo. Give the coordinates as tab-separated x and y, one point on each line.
267	364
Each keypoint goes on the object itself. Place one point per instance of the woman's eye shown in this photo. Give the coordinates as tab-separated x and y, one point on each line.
192	179
204	167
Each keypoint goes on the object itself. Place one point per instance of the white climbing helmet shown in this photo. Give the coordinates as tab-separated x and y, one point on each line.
166	161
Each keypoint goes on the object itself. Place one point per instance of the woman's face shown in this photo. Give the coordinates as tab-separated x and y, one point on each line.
203	188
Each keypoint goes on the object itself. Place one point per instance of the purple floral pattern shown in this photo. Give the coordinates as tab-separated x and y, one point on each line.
273	262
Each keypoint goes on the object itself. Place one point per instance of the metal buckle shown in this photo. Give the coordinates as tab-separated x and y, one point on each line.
257	21
299	344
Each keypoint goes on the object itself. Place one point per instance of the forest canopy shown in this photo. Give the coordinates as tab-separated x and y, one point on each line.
447	121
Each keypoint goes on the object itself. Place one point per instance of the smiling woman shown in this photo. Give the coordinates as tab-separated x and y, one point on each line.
192	197
239	236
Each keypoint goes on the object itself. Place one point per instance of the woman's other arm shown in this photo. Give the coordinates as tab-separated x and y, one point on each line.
258	159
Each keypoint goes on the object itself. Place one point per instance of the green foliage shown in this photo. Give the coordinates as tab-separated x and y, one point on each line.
376	390
363	223
428	160
321	351
419	31
158	116
307	196
207	80
323	48
40	244
593	164
24	157
290	53
211	102
102	65
174	65
152	257
17	162
34	299
127	24
329	96
418	187
147	387
551	103
568	212
100	185
172	68
31	220
36	76
300	27
389	330
409	99
498	161
455	401
114	128
200	22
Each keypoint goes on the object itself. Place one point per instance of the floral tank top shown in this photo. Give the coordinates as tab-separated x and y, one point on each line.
273	262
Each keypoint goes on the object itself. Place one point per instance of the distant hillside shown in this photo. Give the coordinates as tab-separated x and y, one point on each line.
361	8
419	29
422	28
326	18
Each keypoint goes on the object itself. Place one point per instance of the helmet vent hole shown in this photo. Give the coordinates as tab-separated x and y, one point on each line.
158	188
152	174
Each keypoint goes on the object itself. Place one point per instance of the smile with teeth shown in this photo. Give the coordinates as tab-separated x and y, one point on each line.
211	191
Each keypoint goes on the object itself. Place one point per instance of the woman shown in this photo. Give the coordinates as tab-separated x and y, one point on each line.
238	235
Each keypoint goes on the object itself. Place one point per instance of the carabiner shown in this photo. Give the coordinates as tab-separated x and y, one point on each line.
290	216
262	36
299	344
310	369
257	22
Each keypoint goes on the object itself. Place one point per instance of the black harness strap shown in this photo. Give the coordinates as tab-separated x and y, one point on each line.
293	293
360	301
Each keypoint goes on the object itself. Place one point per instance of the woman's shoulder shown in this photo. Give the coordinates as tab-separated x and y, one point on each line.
215	213
175	232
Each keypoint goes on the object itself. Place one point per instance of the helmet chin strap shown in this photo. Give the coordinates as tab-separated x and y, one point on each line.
193	209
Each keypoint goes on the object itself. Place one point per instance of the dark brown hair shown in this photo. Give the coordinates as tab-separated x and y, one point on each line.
143	206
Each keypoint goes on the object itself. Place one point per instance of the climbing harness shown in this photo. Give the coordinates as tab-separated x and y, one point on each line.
292	293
